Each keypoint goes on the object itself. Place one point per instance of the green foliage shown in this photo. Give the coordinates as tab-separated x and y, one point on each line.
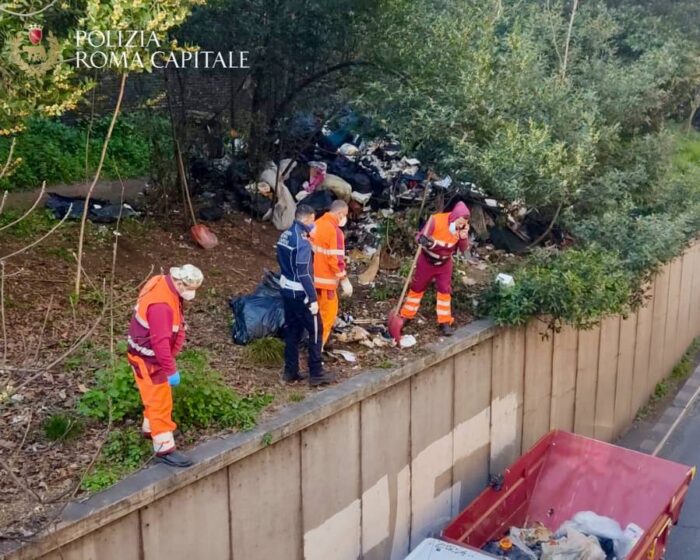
685	367
51	151
34	225
124	452
62	426
115	394
296	397
577	286
267	352
202	400
267	439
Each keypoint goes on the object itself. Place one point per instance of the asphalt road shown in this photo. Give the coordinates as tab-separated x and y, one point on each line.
684	447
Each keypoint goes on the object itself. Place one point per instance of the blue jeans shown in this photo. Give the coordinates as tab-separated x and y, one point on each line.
298	319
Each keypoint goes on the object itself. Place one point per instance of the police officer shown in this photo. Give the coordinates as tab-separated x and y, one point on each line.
300	302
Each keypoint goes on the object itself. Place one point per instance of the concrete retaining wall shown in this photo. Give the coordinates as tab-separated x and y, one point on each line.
369	468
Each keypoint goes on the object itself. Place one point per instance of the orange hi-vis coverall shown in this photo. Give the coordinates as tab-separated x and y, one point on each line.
156	335
328	245
436	264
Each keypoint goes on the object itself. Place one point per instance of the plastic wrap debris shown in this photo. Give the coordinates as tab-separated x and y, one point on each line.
505	280
360	197
260	314
434	549
348	356
407	341
573	546
444	183
587	536
100	211
349	150
591	523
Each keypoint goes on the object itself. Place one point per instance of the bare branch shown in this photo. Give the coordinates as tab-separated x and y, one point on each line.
19	483
24	216
2	312
83	221
8	162
43	329
2	202
568	40
24	438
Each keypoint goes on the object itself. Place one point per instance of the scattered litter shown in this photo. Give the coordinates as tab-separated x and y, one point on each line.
369	275
505	280
444	183
346	355
356	334
407	341
587	536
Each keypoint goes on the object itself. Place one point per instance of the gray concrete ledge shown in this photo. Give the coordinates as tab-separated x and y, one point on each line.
664	423
157	481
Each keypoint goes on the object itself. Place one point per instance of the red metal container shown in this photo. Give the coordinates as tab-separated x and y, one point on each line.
564	474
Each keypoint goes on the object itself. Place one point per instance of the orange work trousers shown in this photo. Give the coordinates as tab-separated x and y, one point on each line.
328	308
157	398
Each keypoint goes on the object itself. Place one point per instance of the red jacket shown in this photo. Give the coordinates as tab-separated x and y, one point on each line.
157	333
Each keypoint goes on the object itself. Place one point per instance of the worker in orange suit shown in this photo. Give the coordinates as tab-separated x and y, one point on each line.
328	245
443	235
156	336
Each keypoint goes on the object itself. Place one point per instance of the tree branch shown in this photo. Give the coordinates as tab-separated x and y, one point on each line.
86	208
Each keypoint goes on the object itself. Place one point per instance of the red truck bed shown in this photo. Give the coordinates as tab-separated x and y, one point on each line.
564	474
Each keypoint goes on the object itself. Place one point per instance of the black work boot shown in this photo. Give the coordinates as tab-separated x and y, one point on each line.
446	329
287	378
175	459
323	379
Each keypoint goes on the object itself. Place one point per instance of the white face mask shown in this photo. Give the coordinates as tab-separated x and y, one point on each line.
188	295
453	228
343	221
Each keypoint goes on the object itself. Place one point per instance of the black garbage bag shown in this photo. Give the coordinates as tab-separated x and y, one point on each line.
320	201
260	314
99	211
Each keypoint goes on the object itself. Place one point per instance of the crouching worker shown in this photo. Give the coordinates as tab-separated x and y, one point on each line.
301	311
156	336
442	236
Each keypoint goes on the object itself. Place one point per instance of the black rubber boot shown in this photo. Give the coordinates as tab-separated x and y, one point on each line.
293	378
323	379
175	459
446	329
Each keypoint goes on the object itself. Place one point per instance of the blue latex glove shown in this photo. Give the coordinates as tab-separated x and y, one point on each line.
174	379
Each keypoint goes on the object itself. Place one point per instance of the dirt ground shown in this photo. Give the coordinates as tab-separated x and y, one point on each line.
42	321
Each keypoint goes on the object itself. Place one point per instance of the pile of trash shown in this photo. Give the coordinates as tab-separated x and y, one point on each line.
587	536
375	177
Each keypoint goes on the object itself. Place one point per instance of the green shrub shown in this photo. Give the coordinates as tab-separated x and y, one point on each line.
578	286
55	152
268	352
115	392
62	426
124	452
202	399
34	225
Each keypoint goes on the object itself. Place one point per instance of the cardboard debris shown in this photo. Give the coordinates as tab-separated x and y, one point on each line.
369	275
